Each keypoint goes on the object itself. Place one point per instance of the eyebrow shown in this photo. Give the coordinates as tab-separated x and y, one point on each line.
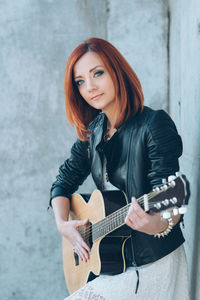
90	70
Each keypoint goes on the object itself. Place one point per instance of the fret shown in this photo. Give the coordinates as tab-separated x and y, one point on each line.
109	223
116	219
113	221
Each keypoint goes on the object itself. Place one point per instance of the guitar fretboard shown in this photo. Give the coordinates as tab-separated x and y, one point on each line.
117	218
160	202
110	223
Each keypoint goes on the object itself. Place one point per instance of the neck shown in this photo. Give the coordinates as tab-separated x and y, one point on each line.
111	129
112	118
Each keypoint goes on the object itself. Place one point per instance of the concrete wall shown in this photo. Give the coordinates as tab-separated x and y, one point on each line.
185	109
140	30
36	39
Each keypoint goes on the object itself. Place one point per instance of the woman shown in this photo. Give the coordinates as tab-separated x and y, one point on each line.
125	146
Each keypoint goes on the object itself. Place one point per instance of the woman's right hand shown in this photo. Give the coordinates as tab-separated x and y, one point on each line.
69	229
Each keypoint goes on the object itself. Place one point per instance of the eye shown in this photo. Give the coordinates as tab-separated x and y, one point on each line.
98	73
79	82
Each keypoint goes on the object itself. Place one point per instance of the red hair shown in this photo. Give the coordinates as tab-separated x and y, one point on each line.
129	96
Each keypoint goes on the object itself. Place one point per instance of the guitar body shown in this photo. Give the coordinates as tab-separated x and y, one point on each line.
107	252
106	233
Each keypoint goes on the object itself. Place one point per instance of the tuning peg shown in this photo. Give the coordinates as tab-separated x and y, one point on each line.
173	200
182	210
175	211
164	187
157	205
164	181
171	178
166	214
156	189
165	202
172	183
178	174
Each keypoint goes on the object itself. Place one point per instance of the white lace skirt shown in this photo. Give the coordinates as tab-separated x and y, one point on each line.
165	279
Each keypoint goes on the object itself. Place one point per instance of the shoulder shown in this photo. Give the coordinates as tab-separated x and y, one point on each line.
161	132
150	115
155	126
150	118
159	121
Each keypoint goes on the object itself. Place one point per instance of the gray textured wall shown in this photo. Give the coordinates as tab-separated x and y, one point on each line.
140	30
185	109
36	38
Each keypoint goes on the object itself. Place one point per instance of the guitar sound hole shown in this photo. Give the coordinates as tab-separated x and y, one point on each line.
86	233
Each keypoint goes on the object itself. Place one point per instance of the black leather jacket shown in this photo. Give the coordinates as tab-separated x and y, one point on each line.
143	151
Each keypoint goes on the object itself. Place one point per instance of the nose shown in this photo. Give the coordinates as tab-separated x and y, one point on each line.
90	85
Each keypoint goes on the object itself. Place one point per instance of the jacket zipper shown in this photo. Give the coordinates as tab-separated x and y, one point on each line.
132	247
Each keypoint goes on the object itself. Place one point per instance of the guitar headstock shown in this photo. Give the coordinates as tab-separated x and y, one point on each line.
172	194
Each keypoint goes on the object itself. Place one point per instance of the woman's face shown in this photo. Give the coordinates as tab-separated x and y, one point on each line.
94	82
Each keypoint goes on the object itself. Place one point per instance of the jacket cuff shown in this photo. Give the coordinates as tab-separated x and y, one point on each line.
56	192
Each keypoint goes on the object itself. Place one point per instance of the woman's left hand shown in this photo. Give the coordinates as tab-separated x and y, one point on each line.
139	220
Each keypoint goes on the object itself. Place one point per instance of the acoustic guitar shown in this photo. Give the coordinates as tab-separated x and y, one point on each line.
106	233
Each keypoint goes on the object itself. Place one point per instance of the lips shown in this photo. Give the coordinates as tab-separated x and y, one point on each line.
96	96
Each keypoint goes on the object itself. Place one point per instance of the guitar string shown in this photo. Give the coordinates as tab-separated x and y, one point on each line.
113	217
119	214
116	221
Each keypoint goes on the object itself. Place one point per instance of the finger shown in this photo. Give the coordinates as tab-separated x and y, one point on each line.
141	218
85	246
129	221
82	222
79	242
85	254
135	214
131	215
136	223
130	210
82	242
85	221
77	249
82	253
137	208
79	223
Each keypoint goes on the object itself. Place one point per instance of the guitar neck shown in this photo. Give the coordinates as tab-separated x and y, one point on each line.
117	218
109	223
172	194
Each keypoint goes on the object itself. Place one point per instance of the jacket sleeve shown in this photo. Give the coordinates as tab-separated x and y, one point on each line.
72	172
164	147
